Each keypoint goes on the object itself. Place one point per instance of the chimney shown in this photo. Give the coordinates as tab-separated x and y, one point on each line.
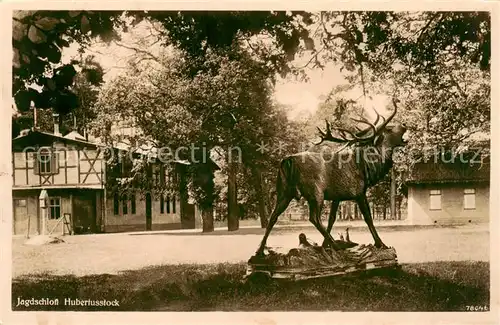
56	124
34	116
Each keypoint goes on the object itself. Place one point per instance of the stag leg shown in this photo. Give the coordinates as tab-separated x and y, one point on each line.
365	210
280	207
315	218
331	218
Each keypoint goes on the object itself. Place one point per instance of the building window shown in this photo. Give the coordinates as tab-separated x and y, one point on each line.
55	208
159	175
124	205
132	203
156	172
20	203
170	179
44	163
116	205
127	165
173	204
162	204
469	199
168	203
435	200
162	175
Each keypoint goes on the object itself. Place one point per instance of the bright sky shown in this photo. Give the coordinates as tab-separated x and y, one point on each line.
303	98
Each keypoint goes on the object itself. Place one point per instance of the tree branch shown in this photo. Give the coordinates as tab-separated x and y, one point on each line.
314	56
137	50
455	83
362	75
423	29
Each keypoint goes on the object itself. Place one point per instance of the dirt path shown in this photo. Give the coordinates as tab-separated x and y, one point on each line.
111	253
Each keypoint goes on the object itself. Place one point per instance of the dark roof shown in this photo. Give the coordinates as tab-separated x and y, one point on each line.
433	172
45	139
39	138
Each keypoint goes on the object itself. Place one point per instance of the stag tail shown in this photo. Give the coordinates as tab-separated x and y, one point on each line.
287	180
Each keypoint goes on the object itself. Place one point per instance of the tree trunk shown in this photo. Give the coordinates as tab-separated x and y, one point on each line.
203	181
208	219
232	198
393	194
183	195
187	221
263	214
399	208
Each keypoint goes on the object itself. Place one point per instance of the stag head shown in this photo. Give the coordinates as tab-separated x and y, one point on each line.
393	135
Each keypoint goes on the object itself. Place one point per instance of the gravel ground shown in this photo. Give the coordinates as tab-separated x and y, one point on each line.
112	253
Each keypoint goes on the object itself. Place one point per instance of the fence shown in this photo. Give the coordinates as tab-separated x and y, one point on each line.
349	211
299	211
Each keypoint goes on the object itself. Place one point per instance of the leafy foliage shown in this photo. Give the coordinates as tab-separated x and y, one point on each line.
38	39
198	32
227	106
418	41
85	87
358	40
436	63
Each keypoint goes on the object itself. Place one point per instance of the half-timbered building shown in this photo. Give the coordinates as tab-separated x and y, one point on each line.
73	172
69	168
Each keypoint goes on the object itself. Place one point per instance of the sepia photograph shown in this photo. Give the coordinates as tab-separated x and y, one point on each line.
250	161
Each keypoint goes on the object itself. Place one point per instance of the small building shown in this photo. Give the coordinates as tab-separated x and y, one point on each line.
74	174
71	171
446	191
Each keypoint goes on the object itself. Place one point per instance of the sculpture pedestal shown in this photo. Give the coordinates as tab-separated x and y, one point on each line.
314	261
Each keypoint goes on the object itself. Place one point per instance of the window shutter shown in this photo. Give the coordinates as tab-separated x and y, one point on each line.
36	164
57	154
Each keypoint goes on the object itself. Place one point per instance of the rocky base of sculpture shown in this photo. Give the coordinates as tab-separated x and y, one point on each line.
313	261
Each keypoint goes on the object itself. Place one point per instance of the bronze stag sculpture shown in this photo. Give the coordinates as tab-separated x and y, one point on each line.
346	175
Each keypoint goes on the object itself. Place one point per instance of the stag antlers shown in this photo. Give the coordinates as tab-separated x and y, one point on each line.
362	136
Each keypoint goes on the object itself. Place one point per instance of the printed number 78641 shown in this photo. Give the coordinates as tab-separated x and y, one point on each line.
477	308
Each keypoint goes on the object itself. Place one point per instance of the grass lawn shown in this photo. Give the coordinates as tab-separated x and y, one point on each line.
433	286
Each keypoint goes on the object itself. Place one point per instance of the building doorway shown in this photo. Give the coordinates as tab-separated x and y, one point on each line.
84	212
22	221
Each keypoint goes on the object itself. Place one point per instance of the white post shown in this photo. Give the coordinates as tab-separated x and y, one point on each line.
44	197
44	218
34	118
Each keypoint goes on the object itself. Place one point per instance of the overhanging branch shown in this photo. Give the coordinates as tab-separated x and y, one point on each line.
139	51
